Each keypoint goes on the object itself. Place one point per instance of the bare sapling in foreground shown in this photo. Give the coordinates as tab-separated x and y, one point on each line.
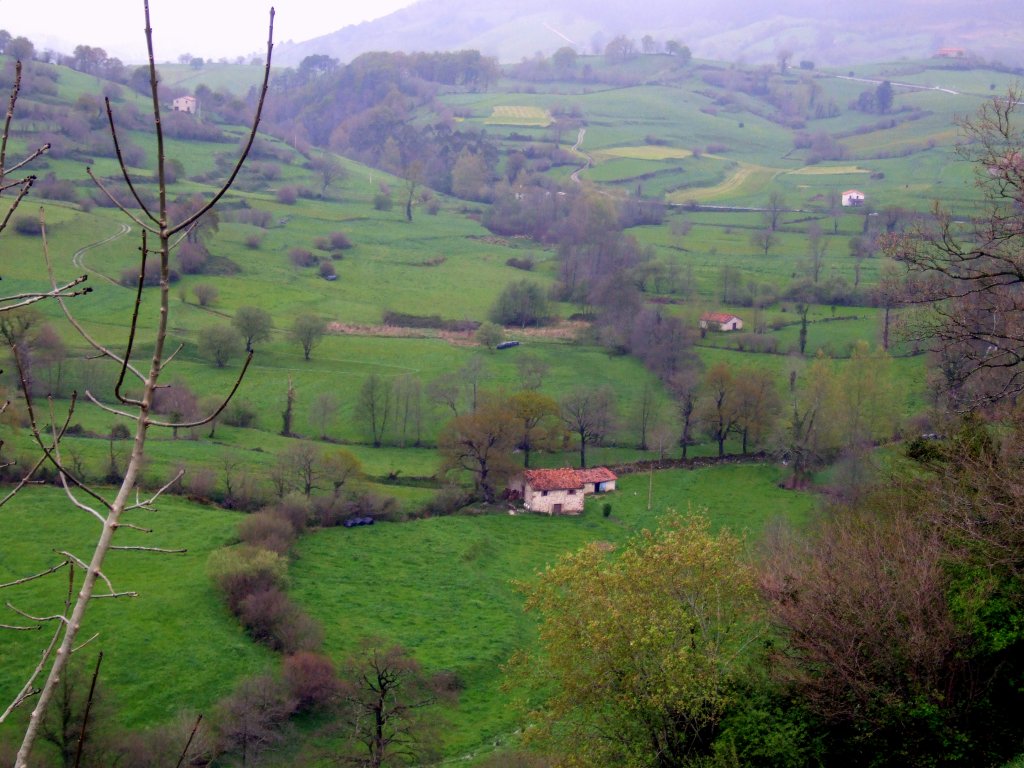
131	396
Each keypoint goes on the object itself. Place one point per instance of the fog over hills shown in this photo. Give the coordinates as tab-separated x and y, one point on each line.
827	33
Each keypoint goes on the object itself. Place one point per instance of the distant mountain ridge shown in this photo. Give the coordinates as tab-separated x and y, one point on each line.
836	34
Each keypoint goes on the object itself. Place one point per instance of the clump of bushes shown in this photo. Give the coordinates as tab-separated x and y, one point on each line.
526	264
301	257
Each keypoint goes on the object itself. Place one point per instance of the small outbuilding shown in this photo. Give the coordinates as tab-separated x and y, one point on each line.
560	491
852	198
720	321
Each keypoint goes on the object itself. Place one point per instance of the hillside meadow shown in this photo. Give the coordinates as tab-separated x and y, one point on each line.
444	587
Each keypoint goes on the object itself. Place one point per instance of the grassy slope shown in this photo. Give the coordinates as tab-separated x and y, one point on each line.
443	587
380	580
175	596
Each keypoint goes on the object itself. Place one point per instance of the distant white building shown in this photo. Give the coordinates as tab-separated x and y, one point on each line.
853	198
720	321
188	104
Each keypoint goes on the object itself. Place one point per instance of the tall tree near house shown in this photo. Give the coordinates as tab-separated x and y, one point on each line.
590	413
809	431
481	443
536	413
133	391
685	387
648	411
374	405
757	405
718	413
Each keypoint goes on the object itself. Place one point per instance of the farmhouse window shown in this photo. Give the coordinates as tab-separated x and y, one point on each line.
543	493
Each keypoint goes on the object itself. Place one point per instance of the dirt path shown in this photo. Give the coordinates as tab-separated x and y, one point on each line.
78	258
576	149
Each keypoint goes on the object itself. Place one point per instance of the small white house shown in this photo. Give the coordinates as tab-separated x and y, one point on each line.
185	104
853	198
720	321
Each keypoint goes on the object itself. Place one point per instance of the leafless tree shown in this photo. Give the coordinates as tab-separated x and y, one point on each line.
375	406
385	694
160	234
589	412
974	273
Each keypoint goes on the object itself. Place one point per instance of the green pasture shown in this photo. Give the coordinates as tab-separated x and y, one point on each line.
199	653
443	587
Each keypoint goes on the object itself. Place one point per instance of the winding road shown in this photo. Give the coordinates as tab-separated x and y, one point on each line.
78	258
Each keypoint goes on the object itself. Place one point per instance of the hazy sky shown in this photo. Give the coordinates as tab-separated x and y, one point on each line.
207	28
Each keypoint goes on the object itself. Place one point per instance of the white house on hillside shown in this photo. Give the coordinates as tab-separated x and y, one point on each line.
185	104
853	198
720	321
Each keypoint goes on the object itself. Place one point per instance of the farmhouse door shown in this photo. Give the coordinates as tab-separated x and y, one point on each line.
557	509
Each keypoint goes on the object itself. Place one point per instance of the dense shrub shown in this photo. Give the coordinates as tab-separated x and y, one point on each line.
28	225
404	320
192	258
270	617
287	195
311	680
527	264
239	413
295	509
301	257
240	571
756	342
327	270
267	530
382	201
447	501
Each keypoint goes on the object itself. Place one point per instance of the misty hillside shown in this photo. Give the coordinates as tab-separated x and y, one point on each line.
828	33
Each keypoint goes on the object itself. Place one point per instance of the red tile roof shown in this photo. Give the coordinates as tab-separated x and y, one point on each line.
566	479
553	479
718	317
596	475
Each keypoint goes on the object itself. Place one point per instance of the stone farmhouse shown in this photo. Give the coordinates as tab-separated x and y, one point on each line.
720	321
560	491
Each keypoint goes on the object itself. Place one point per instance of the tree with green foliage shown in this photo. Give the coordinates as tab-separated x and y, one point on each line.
537	415
642	653
481	443
308	330
883	97
522	303
489	335
254	324
219	343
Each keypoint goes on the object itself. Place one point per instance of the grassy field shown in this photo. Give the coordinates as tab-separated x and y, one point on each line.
174	595
443	587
